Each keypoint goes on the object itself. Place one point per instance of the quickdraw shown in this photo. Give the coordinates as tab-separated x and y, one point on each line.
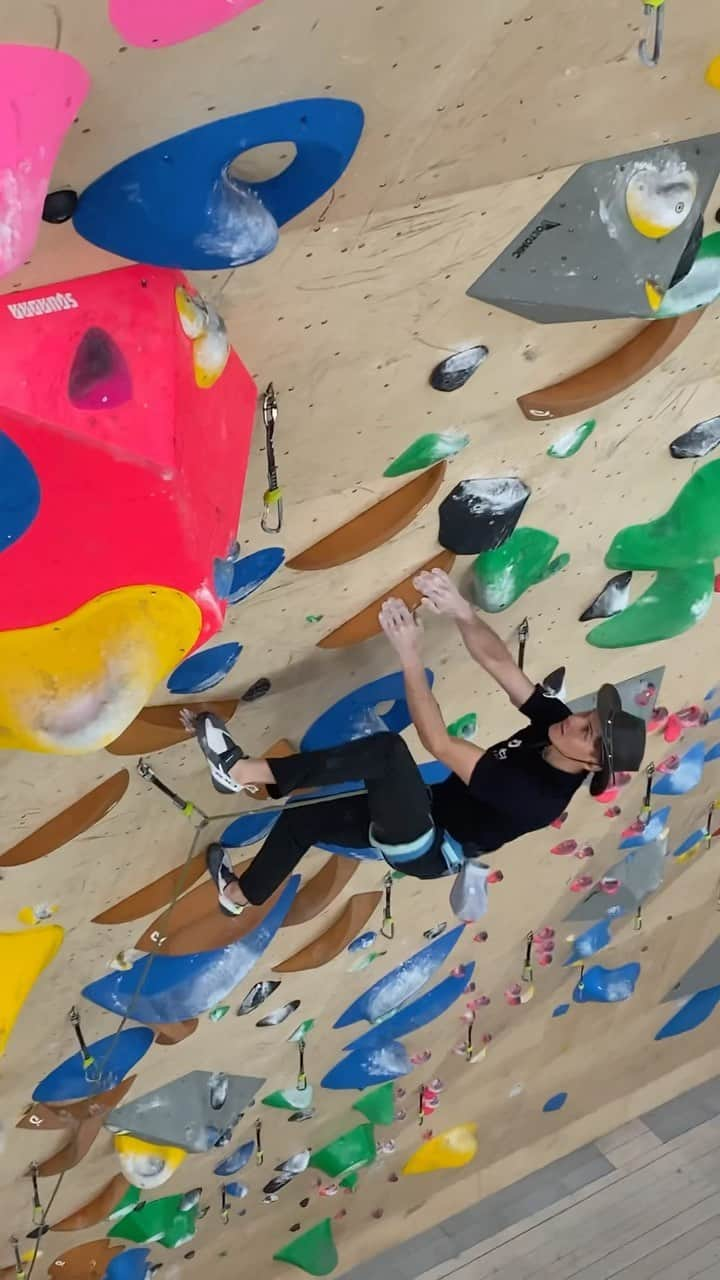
37	1213
655	12
387	928
224	1205
646	809
19	1268
87	1059
273	494
523	633
259	1156
186	807
302	1082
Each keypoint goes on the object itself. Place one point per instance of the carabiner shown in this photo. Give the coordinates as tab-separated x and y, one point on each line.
655	33
273	494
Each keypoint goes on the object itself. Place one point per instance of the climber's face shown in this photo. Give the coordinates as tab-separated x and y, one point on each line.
578	738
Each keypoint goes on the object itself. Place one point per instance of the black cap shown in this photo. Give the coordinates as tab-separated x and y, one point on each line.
623	739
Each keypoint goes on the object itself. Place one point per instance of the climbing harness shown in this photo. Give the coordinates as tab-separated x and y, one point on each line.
37	1213
387	928
646	809
655	11
87	1059
302	1082
259	1154
523	633
273	494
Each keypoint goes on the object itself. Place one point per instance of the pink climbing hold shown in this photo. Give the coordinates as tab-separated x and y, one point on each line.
565	848
513	993
153	24
544	934
692	716
609	884
42	91
673	730
585	852
417	1059
635	829
717	582
495	877
613	812
607	796
580	884
646	695
669	764
558	822
482	936
544	958
658	719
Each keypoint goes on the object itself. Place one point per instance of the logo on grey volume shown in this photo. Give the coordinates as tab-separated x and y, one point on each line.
534	235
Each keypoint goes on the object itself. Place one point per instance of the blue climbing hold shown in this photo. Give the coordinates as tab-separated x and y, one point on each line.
653	830
560	1010
177	204
355	715
607	986
205	669
712	753
368	1067
19	492
592	940
113	1057
237	1189
236	1161
174	988
363	942
686	776
252	571
691	1014
401	984
690	842
418	1013
249	828
131	1264
557	1101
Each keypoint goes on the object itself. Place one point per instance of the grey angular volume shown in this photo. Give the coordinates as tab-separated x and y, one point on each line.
699	440
614	597
480	513
455	370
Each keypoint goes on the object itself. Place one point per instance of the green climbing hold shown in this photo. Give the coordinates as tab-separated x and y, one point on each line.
124	1205
219	1012
674	602
350	1182
364	959
465	727
301	1031
290	1099
378	1105
346	1154
162	1220
314	617
501	576
314	1251
688	534
427	450
701	285
572	441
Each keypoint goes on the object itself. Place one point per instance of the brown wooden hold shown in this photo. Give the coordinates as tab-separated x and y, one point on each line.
156	728
68	824
59	1115
96	1209
643	353
80	1136
322	889
174	1032
329	944
196	923
155	895
282	748
374	526
365	624
85	1262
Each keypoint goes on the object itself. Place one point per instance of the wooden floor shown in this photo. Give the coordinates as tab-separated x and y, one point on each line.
655	1217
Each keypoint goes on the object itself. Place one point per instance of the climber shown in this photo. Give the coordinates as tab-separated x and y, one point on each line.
491	797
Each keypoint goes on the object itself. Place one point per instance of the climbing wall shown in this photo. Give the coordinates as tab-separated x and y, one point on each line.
345	229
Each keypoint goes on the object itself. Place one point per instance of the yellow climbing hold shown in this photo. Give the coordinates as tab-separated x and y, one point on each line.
658	199
147	1164
654	294
712	74
449	1150
23	956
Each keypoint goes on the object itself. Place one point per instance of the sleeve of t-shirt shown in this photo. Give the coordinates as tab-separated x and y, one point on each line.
543	710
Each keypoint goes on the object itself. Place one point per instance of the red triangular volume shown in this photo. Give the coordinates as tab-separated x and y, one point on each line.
99	377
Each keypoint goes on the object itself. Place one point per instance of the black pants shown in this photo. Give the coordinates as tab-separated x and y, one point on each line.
397	804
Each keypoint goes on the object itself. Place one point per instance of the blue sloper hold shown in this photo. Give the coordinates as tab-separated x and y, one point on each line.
367	1067
237	1189
115	1055
354	715
174	988
361	943
560	1010
653	830
686	776
235	1161
714	715
691	1014
557	1101
690	842
19	492
249	828
418	1013
712	753
205	669
606	986
176	204
592	940
401	984
250	572
131	1264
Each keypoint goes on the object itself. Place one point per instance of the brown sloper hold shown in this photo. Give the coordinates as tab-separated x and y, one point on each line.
71	822
156	728
336	937
365	624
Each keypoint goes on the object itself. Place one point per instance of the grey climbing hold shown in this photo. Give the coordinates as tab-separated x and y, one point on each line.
699	440
218	1086
480	513
295	1164
256	996
455	370
277	1016
614	597
190	1199
299	1116
276	1184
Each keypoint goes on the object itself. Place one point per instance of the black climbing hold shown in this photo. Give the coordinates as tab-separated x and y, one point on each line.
99	376
699	440
453	372
257	690
37	1232
295	1226
480	514
614	597
277	1183
553	683
59	206
304	1203
689	254
189	1255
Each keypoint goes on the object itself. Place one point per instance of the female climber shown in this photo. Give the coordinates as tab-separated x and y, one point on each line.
491	796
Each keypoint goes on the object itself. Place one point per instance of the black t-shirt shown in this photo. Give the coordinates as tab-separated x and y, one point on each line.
512	789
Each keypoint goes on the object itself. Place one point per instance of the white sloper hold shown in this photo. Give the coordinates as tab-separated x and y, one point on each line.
614	597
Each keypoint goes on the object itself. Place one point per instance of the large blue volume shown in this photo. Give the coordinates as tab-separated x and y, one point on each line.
112	1058
401	984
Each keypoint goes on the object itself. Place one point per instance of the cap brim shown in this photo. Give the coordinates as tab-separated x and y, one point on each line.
608	704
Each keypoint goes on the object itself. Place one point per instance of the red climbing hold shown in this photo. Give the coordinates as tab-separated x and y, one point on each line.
565	848
580	884
673	729
558	822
